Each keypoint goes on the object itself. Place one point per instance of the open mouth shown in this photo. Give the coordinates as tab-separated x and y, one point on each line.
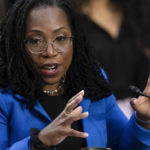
50	68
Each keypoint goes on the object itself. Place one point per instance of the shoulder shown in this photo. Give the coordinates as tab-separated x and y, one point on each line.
9	99
5	96
9	95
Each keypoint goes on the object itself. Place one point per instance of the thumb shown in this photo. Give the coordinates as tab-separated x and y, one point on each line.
133	102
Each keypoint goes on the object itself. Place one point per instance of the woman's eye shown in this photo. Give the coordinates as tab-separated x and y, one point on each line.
61	38
34	41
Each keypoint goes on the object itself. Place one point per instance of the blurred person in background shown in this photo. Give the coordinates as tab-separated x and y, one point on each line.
118	30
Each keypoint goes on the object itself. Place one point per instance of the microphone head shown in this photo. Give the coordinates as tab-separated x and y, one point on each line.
135	91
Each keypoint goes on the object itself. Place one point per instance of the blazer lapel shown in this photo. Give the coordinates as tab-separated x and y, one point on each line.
95	123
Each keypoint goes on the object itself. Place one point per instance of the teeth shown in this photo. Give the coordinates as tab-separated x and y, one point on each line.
53	67
50	68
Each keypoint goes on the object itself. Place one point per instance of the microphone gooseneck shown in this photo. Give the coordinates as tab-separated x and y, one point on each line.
136	92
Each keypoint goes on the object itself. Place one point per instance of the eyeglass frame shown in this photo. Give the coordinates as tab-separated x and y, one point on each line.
47	43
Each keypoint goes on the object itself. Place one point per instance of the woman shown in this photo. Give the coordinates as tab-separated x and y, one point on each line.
49	83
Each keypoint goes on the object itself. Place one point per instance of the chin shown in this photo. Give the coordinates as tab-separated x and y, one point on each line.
51	81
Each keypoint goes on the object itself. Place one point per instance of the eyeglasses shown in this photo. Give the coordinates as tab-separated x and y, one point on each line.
39	45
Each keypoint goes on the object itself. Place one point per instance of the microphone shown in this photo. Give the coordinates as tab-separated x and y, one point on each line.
136	92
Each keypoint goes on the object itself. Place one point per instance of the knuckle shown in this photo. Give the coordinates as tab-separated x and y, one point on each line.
71	132
71	118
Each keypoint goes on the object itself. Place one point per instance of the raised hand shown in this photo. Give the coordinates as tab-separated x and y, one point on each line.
60	128
142	104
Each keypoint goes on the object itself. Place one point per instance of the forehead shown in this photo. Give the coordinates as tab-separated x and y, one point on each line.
49	18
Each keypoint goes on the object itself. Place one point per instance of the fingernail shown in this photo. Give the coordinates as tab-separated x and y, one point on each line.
82	91
86	113
86	134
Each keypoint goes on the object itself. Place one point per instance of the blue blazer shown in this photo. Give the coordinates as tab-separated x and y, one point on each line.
106	124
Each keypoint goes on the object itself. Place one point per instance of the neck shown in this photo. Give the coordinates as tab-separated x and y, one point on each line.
106	15
55	89
101	6
50	87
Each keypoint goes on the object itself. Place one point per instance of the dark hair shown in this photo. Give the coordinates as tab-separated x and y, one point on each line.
17	71
136	16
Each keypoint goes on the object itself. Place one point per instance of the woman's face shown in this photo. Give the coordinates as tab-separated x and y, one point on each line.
49	25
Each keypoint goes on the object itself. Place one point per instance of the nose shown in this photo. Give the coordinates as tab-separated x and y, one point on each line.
50	51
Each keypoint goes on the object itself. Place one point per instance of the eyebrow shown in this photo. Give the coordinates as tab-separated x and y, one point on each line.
56	30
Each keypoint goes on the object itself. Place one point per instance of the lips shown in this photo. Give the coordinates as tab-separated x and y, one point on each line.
50	69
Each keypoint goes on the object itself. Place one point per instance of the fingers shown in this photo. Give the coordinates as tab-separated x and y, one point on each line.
78	110
141	103
79	117
76	115
74	102
135	102
76	133
75	96
141	106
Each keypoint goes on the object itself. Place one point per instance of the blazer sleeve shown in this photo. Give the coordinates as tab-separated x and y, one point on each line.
124	134
23	144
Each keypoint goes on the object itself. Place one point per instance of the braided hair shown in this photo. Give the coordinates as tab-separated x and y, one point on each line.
17	71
